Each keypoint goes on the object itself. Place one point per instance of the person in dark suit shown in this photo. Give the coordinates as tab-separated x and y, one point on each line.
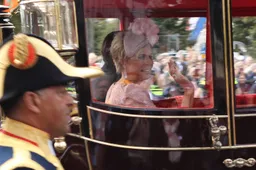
33	96
101	85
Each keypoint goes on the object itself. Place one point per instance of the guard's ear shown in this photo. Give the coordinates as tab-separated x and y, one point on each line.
32	101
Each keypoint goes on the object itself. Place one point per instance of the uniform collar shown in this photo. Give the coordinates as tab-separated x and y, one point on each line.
27	134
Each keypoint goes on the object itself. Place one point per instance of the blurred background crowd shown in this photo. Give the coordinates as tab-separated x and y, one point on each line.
191	64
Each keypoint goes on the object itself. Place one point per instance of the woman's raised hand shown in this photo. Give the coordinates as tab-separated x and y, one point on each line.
183	82
173	69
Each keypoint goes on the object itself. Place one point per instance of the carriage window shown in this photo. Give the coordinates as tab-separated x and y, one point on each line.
181	40
244	45
96	30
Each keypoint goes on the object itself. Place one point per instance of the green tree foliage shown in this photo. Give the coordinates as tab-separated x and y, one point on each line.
244	30
175	29
101	27
15	19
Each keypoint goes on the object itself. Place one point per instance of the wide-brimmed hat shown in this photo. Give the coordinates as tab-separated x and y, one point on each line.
29	63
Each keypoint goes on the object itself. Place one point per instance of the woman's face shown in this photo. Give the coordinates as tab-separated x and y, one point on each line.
138	67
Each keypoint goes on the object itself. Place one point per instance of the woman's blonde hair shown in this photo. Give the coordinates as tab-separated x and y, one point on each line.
117	51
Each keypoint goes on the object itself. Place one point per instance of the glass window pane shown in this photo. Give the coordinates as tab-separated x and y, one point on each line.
182	40
244	36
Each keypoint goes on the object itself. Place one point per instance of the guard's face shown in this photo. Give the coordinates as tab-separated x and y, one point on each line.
138	67
56	105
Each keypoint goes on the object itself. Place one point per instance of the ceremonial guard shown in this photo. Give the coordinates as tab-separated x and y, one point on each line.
35	101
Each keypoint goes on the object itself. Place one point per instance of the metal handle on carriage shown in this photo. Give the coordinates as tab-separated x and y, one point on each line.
216	132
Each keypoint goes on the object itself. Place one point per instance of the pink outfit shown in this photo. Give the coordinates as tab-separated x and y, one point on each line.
128	95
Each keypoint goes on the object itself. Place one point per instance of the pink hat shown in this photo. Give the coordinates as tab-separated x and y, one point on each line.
141	32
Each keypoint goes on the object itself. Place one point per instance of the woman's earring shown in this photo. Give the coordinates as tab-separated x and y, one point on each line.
125	74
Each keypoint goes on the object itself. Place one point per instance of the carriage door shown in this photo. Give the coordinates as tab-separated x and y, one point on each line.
170	136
